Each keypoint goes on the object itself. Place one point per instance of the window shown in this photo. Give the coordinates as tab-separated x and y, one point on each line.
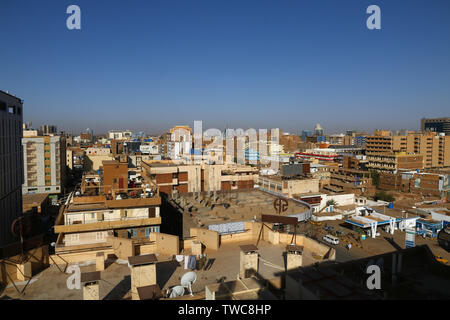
47	158
11	109
2	106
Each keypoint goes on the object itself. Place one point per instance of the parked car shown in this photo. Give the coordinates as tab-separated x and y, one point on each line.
331	239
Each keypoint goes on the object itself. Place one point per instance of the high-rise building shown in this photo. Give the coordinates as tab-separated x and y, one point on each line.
48	129
11	164
44	159
305	134
391	162
435	148
318	130
440	125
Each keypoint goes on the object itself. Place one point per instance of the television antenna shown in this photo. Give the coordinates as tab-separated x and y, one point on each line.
187	280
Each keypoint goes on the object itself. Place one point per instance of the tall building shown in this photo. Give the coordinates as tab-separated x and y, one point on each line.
120	134
441	125
318	130
44	159
48	129
305	134
11	164
434	147
391	162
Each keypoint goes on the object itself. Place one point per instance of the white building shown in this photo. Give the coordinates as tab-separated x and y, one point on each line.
120	134
44	159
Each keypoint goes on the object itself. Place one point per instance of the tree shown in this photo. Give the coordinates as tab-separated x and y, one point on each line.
331	202
384	196
375	176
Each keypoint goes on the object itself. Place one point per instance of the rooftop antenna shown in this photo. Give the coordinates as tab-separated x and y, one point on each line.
187	280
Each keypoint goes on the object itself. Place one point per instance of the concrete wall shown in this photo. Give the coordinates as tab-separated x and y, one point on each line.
38	258
79	257
209	238
341	199
165	243
122	248
95	161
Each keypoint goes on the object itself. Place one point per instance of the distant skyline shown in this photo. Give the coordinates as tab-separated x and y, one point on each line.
150	65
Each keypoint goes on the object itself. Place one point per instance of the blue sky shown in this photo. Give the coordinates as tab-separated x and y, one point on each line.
149	65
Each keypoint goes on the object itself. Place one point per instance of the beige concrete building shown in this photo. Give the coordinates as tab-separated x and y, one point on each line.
93	162
98	151
390	162
434	147
90	215
170	176
288	187
44	159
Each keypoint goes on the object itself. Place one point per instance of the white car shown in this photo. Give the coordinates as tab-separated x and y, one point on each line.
330	239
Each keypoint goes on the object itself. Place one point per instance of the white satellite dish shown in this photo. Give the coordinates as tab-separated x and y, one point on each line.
176	291
188	279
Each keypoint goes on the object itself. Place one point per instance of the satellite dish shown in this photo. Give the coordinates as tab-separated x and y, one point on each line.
20	227
176	291
188	279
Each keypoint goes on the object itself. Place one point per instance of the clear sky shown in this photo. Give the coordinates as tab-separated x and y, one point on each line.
149	65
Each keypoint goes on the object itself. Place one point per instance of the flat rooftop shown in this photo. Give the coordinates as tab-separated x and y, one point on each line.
34	199
229	206
50	284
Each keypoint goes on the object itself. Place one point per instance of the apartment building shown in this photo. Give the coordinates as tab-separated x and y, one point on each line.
115	176
48	129
434	147
322	155
425	183
288	186
11	164
346	180
120	134
98	151
441	125
171	176
390	162
44	159
90	215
